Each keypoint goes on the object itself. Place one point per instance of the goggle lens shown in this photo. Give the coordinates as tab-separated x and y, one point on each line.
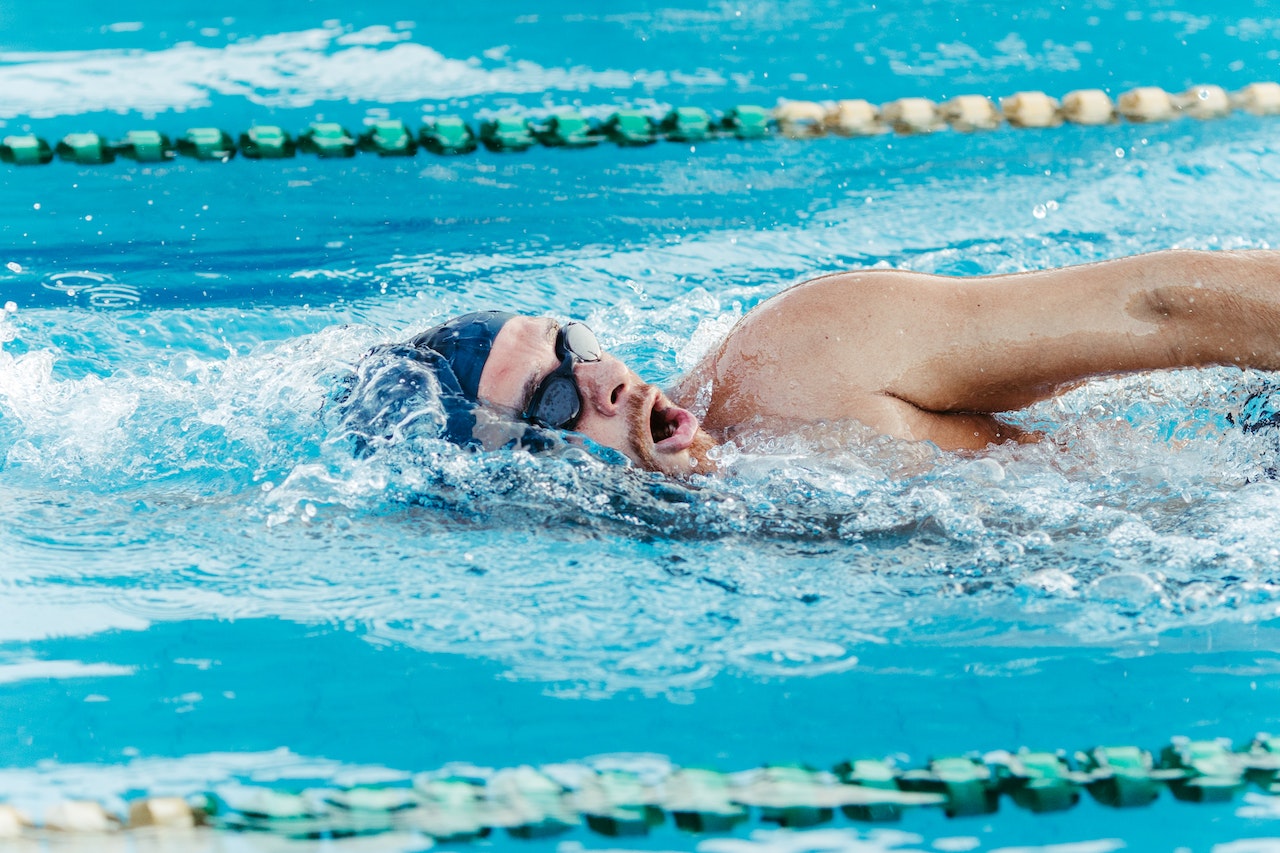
557	402
579	340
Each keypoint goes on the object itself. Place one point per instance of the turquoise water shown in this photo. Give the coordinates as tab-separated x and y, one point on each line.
203	586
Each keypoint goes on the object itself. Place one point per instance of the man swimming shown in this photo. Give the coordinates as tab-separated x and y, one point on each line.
911	355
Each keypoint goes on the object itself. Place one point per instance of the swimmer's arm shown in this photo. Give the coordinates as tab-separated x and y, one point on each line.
999	343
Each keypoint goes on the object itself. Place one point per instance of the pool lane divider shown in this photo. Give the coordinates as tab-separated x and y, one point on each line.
449	135
526	802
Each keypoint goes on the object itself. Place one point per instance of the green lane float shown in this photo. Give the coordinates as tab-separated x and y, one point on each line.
207	143
630	128
747	122
850	117
25	150
388	138
85	148
686	124
874	774
1038	781
618	804
506	133
790	797
448	135
964	782
145	146
531	803
1264	763
567	130
327	139
267	142
1212	772
1120	776
702	801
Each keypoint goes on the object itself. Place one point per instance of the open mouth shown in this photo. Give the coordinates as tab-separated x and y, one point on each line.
661	425
671	427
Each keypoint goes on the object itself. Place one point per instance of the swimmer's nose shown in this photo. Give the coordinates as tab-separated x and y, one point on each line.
605	384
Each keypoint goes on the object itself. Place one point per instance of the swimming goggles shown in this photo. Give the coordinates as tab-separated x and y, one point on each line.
557	401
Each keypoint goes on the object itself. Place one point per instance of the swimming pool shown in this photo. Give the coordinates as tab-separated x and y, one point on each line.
202	590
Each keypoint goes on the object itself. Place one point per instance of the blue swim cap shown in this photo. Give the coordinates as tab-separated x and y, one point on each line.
392	380
464	343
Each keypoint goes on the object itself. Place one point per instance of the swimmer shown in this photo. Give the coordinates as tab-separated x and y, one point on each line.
911	355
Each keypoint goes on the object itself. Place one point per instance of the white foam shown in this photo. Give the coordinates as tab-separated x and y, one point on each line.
294	69
31	670
29	617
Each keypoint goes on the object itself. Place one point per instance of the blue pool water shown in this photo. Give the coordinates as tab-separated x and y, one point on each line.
201	585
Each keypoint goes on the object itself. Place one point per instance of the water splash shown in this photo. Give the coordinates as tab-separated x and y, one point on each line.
1144	510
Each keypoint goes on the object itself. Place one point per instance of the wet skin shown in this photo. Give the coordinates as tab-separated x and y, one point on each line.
918	356
619	410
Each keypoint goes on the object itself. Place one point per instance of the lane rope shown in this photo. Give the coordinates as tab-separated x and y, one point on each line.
449	135
614	800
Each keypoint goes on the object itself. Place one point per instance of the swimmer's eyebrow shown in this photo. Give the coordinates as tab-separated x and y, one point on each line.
531	384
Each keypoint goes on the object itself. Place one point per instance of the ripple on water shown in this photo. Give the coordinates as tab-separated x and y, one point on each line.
788	655
48	526
98	289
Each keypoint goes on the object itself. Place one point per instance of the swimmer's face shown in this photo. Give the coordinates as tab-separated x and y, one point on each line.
618	409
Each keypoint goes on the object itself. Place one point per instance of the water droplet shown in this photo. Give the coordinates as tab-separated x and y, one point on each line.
1039	211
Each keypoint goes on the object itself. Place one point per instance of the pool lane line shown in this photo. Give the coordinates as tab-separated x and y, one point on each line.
449	805
451	135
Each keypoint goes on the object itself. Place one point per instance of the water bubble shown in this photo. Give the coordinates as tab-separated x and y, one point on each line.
1131	591
1039	211
983	471
1198	596
1050	582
